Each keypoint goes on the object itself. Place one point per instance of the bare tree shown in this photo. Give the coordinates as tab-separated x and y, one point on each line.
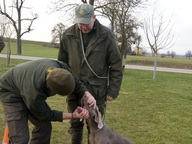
188	54
118	12
168	53
158	34
173	54
7	32
18	5
90	1
123	23
57	32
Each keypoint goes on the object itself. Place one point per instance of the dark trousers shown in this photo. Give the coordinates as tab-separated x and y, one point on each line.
17	116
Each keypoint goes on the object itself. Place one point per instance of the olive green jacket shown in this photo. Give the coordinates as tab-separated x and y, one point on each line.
102	55
26	83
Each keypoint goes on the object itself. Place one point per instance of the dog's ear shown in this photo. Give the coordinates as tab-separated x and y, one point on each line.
98	119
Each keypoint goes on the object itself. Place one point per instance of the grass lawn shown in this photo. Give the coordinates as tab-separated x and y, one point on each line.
147	111
34	49
168	62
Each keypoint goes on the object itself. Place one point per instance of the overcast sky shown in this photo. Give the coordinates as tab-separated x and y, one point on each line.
181	11
181	21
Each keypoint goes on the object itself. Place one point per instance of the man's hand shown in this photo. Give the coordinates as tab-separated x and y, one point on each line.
80	113
91	100
109	98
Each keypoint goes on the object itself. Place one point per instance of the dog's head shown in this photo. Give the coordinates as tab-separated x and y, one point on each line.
95	118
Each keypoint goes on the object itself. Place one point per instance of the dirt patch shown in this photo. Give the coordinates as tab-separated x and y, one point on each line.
161	64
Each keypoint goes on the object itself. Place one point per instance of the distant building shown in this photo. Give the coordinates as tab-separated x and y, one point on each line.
138	52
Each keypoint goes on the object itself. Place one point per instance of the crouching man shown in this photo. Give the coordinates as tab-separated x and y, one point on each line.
23	93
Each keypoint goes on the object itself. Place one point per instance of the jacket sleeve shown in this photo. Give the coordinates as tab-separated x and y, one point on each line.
63	54
37	105
115	69
80	88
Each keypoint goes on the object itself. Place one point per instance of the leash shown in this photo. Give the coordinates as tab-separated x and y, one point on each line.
82	46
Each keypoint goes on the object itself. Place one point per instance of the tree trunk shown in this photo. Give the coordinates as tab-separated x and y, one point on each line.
18	45
155	65
8	52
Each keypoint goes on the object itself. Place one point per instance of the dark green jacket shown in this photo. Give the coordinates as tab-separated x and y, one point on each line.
26	83
103	56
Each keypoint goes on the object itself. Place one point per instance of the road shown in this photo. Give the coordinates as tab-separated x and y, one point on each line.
21	57
163	69
186	71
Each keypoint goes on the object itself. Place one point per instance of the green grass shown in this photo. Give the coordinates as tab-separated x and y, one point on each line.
160	59
182	63
147	111
158	110
34	49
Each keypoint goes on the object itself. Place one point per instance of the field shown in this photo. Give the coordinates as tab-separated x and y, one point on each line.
182	63
147	111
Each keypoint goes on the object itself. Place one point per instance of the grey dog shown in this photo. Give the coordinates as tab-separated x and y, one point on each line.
100	133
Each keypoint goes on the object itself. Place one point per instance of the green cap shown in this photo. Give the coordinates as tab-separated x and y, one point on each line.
84	13
60	81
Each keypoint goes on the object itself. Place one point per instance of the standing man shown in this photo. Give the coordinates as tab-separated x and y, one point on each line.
90	50
23	93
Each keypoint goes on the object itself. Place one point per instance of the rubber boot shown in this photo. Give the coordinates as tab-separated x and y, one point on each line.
77	138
